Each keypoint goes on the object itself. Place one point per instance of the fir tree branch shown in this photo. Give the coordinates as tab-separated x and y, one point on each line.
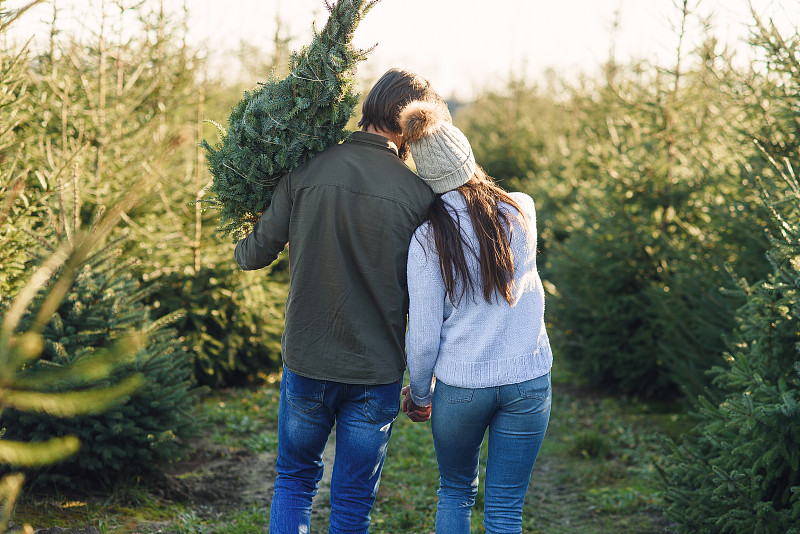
22	454
71	403
11	16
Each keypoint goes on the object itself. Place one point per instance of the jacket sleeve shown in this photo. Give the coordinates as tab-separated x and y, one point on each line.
270	234
425	316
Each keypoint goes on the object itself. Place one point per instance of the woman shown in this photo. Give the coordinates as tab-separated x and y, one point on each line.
476	323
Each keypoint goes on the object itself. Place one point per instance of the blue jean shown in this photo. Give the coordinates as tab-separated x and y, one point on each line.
516	416
308	409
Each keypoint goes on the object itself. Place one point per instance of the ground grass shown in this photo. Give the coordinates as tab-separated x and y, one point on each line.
595	473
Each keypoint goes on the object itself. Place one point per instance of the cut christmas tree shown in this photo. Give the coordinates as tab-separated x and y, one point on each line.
282	123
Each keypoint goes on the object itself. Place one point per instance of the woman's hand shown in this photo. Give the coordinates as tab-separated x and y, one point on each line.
418	414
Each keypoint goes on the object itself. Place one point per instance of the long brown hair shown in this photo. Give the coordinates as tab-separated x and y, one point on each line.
493	231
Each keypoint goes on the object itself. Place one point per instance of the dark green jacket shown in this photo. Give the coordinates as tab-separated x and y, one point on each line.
348	214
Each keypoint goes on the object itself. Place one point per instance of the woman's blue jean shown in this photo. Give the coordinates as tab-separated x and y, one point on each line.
308	409
516	416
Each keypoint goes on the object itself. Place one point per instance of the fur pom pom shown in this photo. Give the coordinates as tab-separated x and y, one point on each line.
420	119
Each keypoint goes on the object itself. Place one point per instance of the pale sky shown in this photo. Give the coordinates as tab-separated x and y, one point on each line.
464	46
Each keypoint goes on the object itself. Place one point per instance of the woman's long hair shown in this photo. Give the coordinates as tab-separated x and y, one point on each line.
493	231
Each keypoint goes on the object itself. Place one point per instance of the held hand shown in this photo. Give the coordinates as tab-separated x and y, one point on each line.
419	415
406	393
416	413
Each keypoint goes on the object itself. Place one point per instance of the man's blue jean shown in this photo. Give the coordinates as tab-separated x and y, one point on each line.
516	416
308	409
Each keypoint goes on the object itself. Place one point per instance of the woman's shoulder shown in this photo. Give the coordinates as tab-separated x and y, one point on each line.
423	229
422	238
521	198
525	203
422	248
454	200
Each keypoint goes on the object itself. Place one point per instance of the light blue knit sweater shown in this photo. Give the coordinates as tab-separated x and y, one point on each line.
475	344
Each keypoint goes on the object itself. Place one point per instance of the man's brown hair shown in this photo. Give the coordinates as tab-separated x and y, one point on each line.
392	93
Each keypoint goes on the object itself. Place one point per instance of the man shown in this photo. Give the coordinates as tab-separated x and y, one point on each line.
349	214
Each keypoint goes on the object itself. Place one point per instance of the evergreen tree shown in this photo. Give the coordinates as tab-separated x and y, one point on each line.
18	196
527	137
282	123
230	323
657	212
232	329
638	177
20	388
120	107
116	106
102	305
85	388
75	324
739	470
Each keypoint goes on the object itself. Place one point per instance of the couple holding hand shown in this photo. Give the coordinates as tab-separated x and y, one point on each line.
436	269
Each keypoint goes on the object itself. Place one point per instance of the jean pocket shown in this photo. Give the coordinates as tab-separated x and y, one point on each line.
382	402
453	394
538	388
304	394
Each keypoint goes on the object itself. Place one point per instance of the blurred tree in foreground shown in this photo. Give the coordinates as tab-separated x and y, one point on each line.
739	470
86	387
59	393
100	307
76	340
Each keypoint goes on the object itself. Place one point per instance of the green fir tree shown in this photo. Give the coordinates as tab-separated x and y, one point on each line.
279	125
100	308
29	298
657	210
19	198
739	470
232	330
83	388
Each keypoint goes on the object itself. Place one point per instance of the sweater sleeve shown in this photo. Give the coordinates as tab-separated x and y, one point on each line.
270	234
425	316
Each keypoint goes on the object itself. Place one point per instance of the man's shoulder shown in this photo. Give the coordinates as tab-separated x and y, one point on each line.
368	167
336	155
323	156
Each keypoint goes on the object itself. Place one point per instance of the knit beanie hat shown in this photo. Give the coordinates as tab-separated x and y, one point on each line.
441	152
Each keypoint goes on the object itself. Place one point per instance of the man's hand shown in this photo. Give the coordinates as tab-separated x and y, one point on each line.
418	414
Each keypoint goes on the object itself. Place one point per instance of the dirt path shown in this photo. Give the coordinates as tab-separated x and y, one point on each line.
552	502
215	481
257	476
